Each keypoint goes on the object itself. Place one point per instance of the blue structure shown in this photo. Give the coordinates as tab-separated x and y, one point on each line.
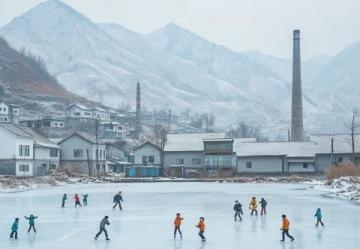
143	171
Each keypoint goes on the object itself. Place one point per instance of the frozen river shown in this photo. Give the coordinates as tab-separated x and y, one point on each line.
149	209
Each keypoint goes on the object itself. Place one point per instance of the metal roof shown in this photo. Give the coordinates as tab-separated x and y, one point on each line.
14	129
189	142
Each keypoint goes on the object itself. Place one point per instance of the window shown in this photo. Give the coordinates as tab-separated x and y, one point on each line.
104	154
144	160
248	165
196	161
340	159
27	150
179	161
151	159
87	113
53	153
78	153
305	165
21	148
52	167
77	113
15	111
61	124
24	168
5	119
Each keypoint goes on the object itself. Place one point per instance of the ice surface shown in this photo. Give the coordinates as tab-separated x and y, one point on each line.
149	210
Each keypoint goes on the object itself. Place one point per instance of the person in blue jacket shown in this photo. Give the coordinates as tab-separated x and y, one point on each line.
318	217
31	220
14	229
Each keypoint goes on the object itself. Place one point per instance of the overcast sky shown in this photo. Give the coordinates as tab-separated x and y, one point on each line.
327	26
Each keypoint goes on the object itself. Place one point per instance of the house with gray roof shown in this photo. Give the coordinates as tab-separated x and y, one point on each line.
24	153
83	153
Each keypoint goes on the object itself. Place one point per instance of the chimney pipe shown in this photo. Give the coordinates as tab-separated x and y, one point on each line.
297	128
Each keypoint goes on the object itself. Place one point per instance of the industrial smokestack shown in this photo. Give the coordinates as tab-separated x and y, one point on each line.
297	127
138	111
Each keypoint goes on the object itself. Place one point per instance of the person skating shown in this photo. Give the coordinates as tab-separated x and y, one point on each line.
14	229
253	206
64	198
263	204
201	226
117	200
85	199
77	200
177	224
318	217
31	220
285	228
103	223
238	210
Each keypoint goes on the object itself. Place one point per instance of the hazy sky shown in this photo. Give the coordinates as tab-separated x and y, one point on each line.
327	26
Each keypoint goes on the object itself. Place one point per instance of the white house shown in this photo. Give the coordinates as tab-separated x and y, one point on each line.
16	153
8	112
83	153
147	154
79	111
48	122
100	114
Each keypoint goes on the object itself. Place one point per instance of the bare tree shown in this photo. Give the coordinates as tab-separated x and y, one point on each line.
159	139
353	127
243	130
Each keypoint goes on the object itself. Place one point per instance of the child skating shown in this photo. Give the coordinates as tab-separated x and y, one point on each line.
318	216
85	197
117	200
238	210
77	200
253	206
201	226
31	220
103	223
14	229
63	200
177	224
263	204
285	228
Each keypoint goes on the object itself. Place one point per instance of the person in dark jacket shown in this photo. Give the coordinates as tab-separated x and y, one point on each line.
263	204
14	229
318	217
64	198
31	220
117	200
238	210
103	223
85	199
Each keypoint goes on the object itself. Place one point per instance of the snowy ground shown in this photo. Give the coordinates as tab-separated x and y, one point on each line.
343	187
147	220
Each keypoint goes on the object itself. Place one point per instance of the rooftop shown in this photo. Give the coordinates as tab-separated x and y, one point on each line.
189	142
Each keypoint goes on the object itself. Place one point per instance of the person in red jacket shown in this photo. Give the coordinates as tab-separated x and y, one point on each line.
285	228
77	200
177	224
201	226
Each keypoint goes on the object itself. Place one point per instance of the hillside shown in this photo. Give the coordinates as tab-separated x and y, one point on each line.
104	61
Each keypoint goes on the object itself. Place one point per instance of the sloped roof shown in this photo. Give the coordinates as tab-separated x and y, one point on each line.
149	143
14	129
79	106
189	142
289	149
342	143
40	140
90	138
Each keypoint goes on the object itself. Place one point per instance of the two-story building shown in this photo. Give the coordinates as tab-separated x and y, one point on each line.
79	111
100	114
8	112
47	122
83	153
24	153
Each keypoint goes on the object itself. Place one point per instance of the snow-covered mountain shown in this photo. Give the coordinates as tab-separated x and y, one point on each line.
177	68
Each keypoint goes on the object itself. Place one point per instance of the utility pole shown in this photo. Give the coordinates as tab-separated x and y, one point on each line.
138	112
97	145
332	151
169	124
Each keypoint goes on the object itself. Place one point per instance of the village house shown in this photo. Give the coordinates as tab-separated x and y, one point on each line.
8	112
79	111
25	153
83	153
117	157
47	122
100	114
147	154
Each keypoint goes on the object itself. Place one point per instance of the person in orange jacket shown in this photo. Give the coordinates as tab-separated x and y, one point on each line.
253	206
201	226
285	228
177	224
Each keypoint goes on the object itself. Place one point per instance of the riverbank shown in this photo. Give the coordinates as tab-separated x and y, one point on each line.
13	184
344	187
